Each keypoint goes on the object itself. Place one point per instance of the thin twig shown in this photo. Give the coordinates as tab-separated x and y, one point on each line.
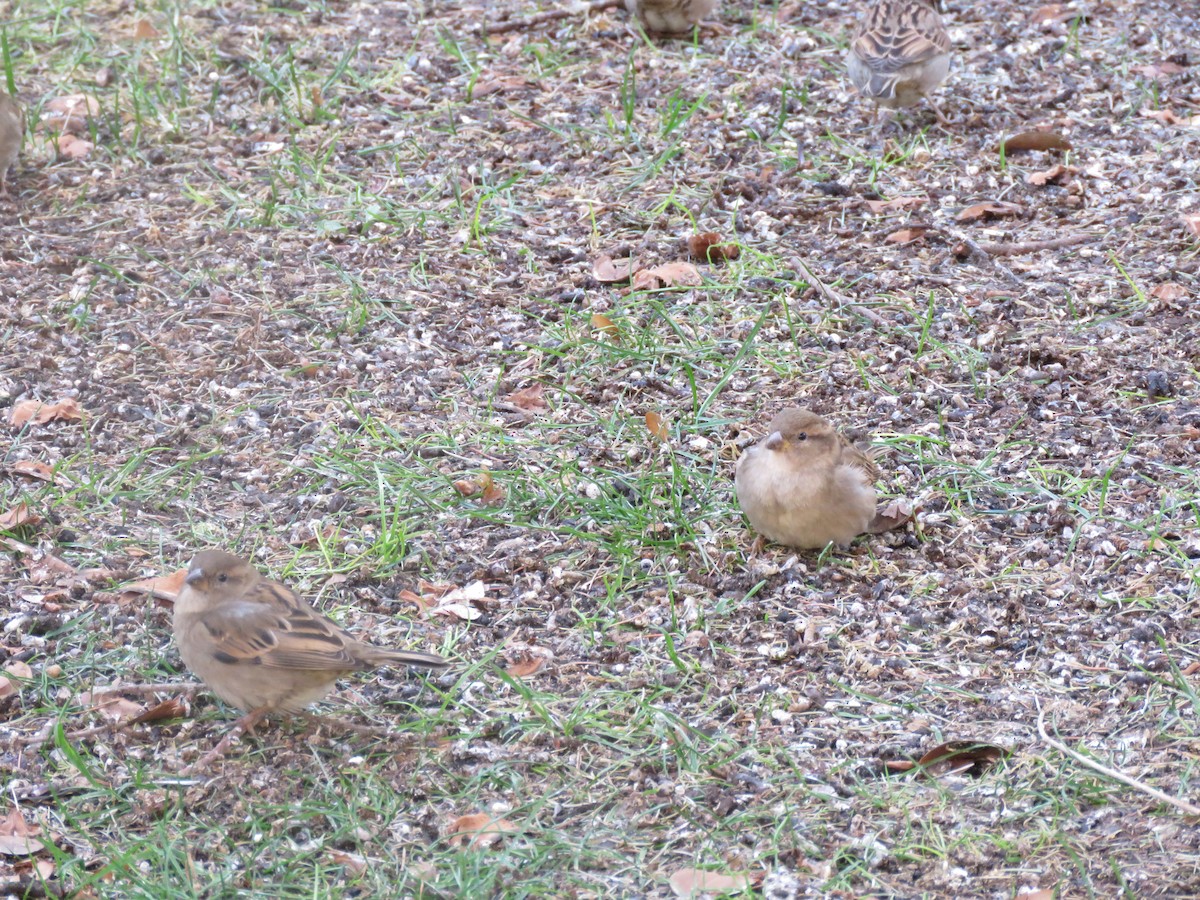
549	16
981	256
839	299
1016	249
1189	808
189	687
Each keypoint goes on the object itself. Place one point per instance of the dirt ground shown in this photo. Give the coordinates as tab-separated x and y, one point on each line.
303	289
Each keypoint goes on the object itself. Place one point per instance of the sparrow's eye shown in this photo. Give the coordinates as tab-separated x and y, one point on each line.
222	577
802	436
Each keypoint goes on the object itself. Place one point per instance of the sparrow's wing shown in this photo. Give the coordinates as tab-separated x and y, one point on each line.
898	34
270	626
859	459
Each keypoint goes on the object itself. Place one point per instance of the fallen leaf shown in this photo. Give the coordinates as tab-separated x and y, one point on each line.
907	235
457	611
708	247
1158	70
19	669
693	882
72	147
607	271
17	516
34	469
894	515
1192	224
989	209
168	709
1042	894
49	569
526	667
676	274
144	31
479	830
882	206
483	486
16	836
1053	13
605	326
656	426
1034	140
40	413
163	587
1166	116
958	757
1055	174
353	863
529	398
1169	291
69	114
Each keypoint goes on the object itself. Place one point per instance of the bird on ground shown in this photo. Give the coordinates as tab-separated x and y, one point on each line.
12	133
261	648
670	16
899	53
804	484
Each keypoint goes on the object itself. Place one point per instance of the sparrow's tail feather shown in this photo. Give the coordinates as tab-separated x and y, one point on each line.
408	658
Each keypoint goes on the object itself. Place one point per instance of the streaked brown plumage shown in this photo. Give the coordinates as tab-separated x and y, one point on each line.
260	647
12	133
804	484
900	52
670	16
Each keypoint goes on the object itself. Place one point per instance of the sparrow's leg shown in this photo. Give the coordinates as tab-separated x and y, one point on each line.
244	725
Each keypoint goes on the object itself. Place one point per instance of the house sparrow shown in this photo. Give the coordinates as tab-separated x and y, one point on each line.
260	647
804	484
899	53
670	16
12	132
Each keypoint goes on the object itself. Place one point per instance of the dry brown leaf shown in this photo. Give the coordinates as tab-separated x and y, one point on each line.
34	469
422	603
168	709
1041	894
907	235
896	514
163	587
1034	140
529	398
989	209
1166	116
675	274
1158	70
7	688
353	863
882	206
958	757
17	516
144	31
526	667
605	326
1192	224
72	147
657	426
457	611
69	114
479	830
112	706
17	836
607	271
708	247
693	882
49	569
39	413
1169	291
1055	174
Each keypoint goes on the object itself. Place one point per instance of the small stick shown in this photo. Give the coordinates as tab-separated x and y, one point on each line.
1034	246
1189	808
981	256
549	16
840	299
189	687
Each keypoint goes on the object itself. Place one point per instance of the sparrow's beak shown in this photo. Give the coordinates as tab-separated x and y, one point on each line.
773	442
193	576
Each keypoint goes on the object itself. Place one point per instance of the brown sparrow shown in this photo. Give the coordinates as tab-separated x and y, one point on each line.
12	132
670	16
899	53
260	647
804	484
